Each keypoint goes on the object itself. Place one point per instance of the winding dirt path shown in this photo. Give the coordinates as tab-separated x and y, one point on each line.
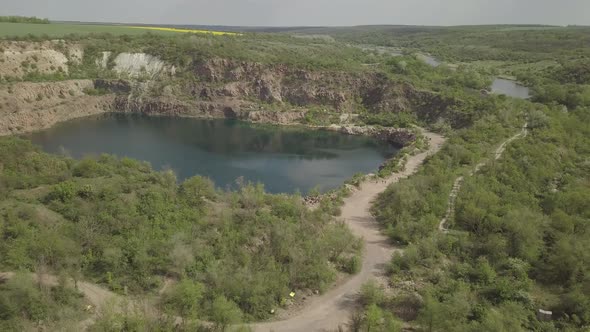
96	295
332	309
442	226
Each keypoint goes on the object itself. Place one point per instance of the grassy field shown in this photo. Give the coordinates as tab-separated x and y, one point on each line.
8	30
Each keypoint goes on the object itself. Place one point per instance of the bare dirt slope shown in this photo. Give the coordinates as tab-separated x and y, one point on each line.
18	58
333	308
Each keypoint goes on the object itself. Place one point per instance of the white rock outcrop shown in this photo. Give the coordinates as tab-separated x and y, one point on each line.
19	58
139	64
103	62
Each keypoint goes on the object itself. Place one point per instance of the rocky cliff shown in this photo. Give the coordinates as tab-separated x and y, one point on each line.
341	91
27	106
271	93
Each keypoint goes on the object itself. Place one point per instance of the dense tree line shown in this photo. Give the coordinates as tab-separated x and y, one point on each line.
23	19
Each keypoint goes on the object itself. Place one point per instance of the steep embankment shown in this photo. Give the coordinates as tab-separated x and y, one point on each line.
28	106
19	59
219	88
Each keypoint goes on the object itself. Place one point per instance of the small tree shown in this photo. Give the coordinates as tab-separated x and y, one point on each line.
390	323
373	317
224	313
431	314
185	298
371	293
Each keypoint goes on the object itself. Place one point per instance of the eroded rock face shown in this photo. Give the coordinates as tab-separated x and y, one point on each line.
116	86
29	106
134	65
276	83
103	61
18	59
341	91
221	88
33	106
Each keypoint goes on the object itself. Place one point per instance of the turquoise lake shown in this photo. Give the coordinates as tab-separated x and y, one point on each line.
284	159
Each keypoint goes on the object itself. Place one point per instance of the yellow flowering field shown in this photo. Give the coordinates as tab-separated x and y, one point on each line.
215	33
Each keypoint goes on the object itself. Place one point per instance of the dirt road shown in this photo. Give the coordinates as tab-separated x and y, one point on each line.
96	295
328	311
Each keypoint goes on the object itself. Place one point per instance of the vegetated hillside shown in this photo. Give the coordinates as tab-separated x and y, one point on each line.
527	43
517	240
121	224
551	60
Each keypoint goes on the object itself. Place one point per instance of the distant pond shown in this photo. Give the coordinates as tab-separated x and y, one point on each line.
510	88
499	86
284	159
429	59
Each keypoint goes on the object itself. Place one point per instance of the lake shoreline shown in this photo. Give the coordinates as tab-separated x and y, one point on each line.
284	160
398	137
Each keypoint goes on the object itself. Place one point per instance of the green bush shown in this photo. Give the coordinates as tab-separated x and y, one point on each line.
351	264
64	191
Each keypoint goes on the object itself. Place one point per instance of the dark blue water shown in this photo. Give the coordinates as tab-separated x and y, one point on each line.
284	159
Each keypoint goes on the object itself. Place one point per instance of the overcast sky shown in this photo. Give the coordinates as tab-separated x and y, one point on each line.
307	12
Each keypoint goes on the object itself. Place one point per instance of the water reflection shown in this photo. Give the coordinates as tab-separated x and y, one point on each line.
283	158
432	61
510	88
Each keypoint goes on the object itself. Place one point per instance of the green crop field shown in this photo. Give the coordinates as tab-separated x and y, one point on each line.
62	29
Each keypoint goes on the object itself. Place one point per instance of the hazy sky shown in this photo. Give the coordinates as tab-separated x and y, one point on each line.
307	12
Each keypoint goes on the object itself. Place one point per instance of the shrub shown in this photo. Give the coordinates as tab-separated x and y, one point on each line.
351	264
64	191
371	293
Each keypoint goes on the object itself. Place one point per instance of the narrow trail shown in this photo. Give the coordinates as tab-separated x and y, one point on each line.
442	226
332	309
95	294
